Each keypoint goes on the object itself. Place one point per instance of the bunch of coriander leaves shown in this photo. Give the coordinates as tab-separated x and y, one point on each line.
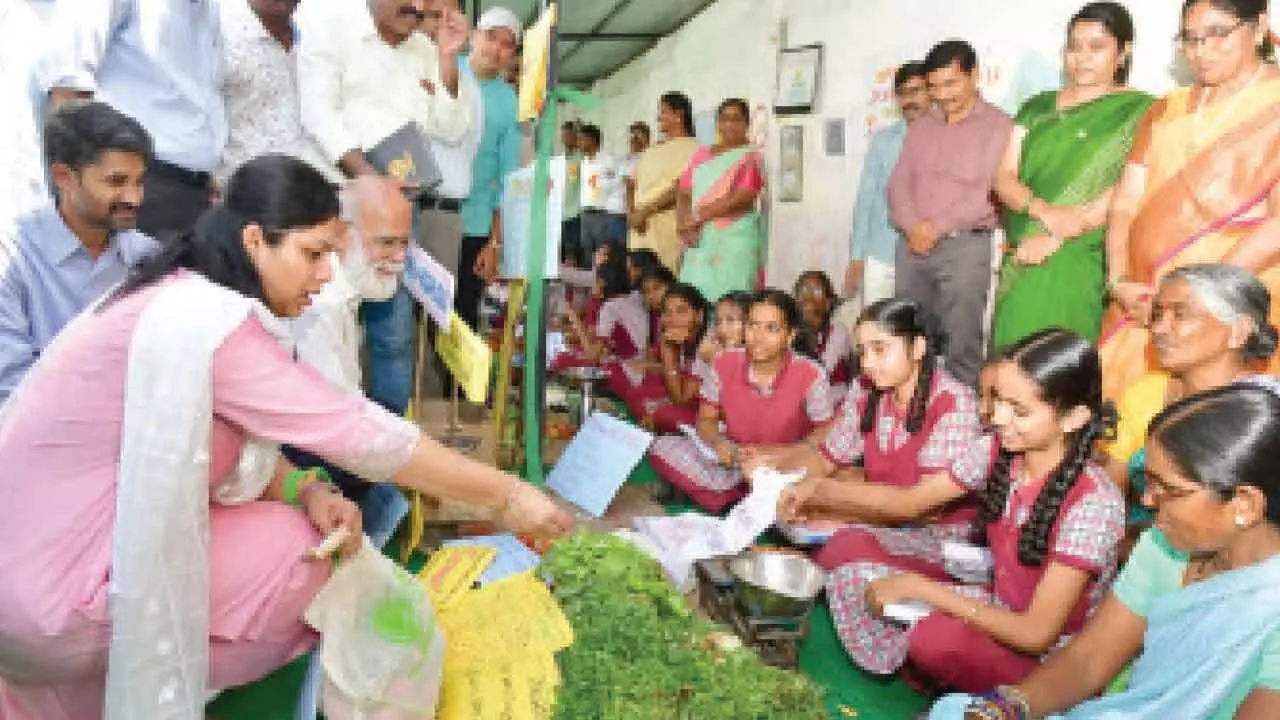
639	652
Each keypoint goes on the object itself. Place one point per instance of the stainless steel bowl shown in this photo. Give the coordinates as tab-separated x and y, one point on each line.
778	585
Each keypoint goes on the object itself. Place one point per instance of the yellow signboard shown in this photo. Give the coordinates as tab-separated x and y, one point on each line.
467	357
533	66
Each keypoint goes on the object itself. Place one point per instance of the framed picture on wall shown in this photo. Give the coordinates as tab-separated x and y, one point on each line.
798	71
791	163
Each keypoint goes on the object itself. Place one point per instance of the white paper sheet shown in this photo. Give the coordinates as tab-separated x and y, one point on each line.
682	540
513	556
908	613
597	462
967	563
430	283
704	449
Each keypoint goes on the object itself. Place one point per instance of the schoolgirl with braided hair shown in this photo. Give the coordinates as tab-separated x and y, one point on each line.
1053	521
910	432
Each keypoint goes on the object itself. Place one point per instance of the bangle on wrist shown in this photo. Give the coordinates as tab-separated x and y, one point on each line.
1003	703
311	488
300	482
292	480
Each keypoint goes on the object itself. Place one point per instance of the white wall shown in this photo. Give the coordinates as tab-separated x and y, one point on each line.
725	51
730	50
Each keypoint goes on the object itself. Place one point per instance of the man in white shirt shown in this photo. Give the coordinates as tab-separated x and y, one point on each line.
440	225
260	84
604	211
364	72
327	334
22	184
160	63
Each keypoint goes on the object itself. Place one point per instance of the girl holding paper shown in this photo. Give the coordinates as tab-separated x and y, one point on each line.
1194	609
916	431
1051	516
762	394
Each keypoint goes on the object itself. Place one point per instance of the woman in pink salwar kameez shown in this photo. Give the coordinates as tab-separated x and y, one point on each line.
152	542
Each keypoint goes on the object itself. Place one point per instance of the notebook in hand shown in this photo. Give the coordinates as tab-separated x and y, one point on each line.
406	155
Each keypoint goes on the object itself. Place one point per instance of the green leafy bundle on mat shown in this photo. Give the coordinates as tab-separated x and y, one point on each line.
640	653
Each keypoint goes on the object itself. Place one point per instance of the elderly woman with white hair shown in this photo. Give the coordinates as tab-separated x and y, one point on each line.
1209	327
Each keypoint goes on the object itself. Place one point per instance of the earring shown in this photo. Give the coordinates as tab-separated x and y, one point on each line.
1240	521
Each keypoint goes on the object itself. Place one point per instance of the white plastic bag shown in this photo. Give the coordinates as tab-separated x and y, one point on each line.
382	651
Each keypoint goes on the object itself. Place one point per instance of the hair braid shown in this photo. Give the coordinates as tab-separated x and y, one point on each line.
1033	543
807	342
995	495
920	399
869	412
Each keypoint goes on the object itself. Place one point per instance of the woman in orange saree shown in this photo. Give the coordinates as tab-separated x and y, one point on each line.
1201	184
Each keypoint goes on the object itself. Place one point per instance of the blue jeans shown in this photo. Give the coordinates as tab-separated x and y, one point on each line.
381	511
389	332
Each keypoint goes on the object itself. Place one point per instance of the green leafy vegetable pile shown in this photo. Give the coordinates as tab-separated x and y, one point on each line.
639	652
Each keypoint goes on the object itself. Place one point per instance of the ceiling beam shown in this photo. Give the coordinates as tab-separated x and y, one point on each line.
614	12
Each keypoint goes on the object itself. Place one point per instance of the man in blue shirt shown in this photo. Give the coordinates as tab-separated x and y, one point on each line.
493	48
161	64
875	238
58	260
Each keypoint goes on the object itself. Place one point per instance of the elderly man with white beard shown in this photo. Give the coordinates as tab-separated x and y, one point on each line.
328	334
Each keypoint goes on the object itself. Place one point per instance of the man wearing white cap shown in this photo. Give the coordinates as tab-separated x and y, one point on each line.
459	224
493	49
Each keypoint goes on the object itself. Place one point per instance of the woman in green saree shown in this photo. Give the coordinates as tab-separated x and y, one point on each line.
717	209
1056	181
